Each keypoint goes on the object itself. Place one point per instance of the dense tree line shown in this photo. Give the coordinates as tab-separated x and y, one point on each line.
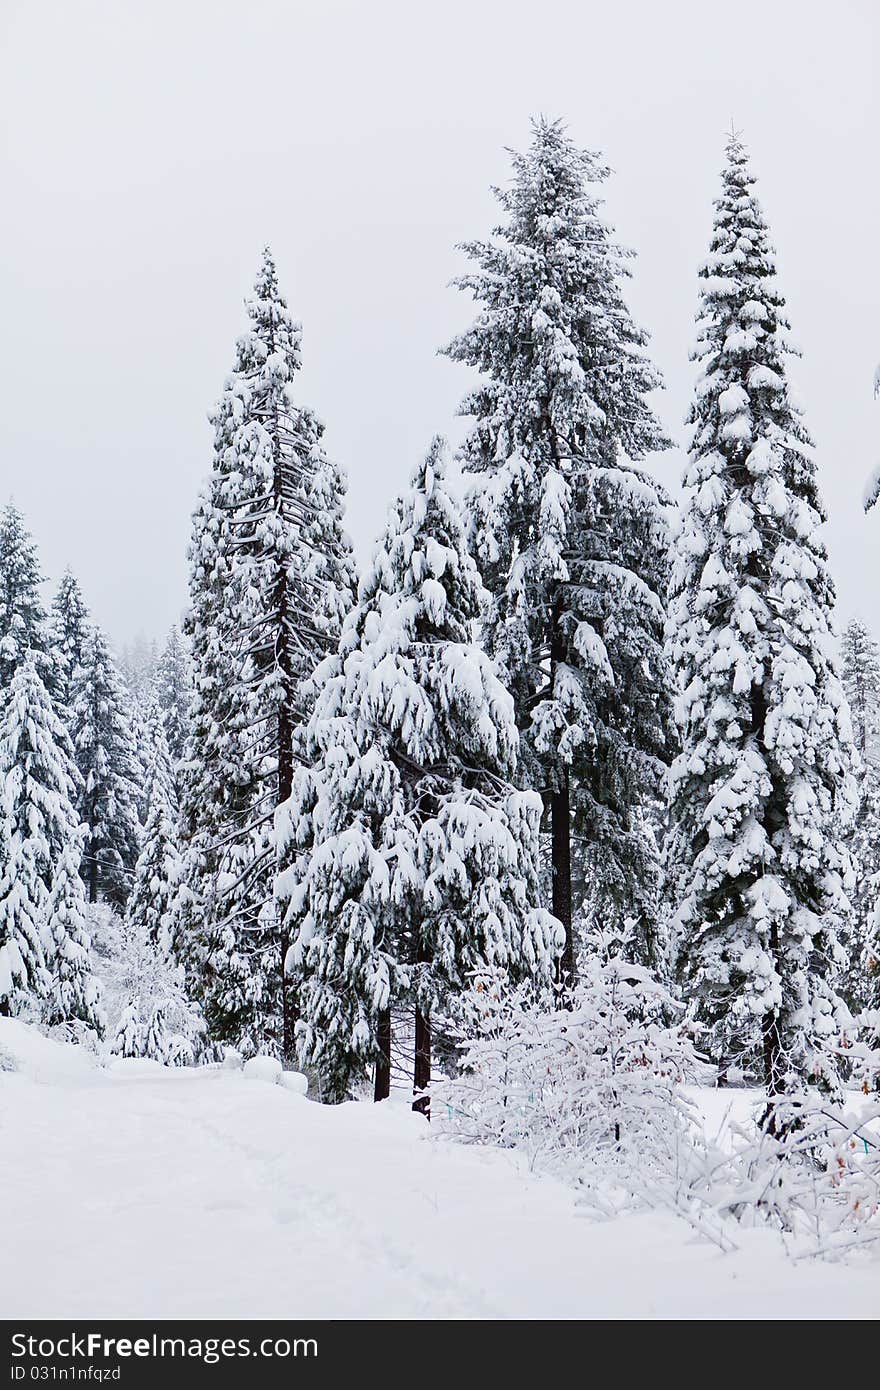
549	716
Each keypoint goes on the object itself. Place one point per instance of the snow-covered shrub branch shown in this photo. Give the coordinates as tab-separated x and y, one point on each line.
816	1180
593	1091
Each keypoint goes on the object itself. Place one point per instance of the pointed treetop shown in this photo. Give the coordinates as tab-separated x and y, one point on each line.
270	349
22	615
734	145
266	283
737	173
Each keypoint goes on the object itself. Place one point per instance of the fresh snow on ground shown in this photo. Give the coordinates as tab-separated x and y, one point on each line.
143	1191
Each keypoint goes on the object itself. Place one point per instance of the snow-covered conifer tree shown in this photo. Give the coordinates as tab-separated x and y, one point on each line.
409	860
160	765
173	689
156	875
22	615
44	944
861	681
134	714
763	785
130	1036
860	658
75	994
69	628
270	577
107	760
569	535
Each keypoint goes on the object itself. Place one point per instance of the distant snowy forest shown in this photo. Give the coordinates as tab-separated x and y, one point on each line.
568	805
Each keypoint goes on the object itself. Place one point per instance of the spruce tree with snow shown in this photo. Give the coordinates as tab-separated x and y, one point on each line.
271	575
763	786
22	615
159	780
44	944
409	859
130	1038
860	662
156	1036
107	760
69	628
172	687
861	681
25	867
75	994
569	535
134	715
157	871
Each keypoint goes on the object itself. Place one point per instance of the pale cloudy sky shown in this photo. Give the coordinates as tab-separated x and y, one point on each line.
150	149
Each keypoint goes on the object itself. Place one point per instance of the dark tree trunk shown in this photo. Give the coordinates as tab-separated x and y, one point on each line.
560	820
284	750
422	1068
560	825
774	1060
4	1006
771	1033
288	1008
382	1087
288	996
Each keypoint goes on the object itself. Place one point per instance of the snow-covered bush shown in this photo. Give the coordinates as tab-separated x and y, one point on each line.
816	1180
592	1091
145	993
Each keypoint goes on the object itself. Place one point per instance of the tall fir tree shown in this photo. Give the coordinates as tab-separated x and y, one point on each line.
173	690
133	710
861	680
569	535
44	944
69	627
107	760
764	783
860	662
157	871
22	614
159	777
409	859
75	994
270	576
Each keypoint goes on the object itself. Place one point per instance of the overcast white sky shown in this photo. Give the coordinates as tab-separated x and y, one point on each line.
151	147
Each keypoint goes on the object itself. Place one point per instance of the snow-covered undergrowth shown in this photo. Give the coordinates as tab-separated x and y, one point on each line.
592	1092
147	1007
139	990
816	1182
149	1191
596	1093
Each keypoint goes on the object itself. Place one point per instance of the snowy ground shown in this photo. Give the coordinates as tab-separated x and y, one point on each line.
141	1192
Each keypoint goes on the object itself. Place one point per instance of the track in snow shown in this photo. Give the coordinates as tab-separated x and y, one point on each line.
141	1192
